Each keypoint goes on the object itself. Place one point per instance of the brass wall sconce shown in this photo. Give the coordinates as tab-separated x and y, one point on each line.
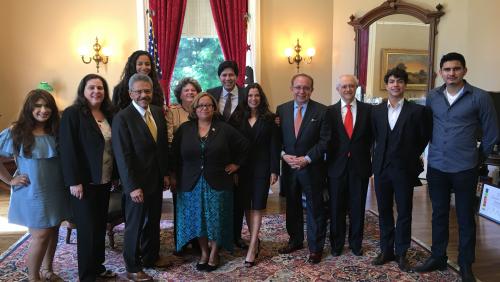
296	58
98	58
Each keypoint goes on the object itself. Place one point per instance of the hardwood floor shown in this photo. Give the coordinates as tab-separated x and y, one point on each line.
488	232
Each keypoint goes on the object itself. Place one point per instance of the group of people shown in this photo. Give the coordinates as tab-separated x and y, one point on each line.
342	145
220	150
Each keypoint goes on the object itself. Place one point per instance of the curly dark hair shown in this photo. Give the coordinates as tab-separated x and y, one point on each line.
182	83
81	102
397	72
121	98
243	111
22	129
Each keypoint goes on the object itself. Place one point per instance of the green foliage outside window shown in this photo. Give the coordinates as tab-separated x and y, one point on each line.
197	58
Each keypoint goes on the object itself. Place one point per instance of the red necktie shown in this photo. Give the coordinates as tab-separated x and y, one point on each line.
298	120
348	121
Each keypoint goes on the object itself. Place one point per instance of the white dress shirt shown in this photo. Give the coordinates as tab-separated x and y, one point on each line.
142	112
393	112
343	110
223	98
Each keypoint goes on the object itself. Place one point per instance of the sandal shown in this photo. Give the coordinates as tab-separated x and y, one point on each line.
49	275
107	274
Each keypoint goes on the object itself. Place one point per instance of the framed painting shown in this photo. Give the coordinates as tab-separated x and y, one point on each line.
415	62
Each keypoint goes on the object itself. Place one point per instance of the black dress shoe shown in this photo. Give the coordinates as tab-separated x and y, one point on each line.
403	263
210	268
336	253
289	248
314	258
466	274
383	258
201	266
240	244
431	264
357	253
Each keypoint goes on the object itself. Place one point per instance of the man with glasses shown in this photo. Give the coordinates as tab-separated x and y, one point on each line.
349	165
140	146
304	135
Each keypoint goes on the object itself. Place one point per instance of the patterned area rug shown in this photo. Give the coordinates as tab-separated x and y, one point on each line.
270	266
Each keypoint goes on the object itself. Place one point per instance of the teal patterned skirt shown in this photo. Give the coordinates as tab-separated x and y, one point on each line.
205	212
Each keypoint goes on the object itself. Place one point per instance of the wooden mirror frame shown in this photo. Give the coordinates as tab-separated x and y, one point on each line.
362	24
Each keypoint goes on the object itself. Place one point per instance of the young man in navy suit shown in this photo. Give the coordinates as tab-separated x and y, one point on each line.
402	130
228	95
140	146
349	165
304	136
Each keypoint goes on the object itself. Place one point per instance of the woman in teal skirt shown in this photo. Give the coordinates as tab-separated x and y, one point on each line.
38	199
206	154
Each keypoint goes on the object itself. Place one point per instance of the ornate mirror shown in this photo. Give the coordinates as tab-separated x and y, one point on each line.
395	34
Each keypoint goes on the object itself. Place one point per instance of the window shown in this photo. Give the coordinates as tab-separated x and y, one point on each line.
199	52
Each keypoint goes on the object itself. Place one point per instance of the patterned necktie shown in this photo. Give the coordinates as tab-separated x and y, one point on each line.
348	121
151	125
298	120
227	107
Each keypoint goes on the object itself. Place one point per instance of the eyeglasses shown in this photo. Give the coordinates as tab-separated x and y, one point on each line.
203	106
304	88
145	91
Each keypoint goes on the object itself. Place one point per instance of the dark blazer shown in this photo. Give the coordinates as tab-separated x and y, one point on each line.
216	92
141	161
264	154
224	145
413	129
82	147
313	134
359	146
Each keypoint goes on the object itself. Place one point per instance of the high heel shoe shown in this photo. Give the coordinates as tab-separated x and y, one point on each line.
252	263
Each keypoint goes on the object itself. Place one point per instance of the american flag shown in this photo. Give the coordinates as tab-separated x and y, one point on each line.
153	47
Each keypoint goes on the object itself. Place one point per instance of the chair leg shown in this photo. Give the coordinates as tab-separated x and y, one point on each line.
68	235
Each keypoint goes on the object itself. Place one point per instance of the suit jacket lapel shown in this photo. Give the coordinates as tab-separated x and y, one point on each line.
140	120
359	119
94	124
338	112
258	127
402	115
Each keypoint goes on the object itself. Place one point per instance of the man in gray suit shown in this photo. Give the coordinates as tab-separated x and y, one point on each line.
141	149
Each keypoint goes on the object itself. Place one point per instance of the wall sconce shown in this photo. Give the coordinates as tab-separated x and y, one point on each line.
97	57
297	58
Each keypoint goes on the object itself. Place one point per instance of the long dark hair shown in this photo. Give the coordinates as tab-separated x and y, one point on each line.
121	98
22	129
81	102
243	111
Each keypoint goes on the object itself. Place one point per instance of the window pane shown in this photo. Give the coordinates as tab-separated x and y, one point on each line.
198	58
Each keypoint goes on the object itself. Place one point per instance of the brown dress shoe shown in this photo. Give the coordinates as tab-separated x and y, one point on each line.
314	258
290	248
139	276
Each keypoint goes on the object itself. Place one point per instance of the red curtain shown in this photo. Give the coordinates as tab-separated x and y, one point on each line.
363	56
230	18
167	17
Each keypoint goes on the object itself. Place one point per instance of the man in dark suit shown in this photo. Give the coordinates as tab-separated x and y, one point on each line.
402	131
141	149
304	137
349	165
228	95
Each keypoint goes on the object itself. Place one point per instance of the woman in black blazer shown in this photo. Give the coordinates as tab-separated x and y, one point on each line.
87	159
256	122
206	154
